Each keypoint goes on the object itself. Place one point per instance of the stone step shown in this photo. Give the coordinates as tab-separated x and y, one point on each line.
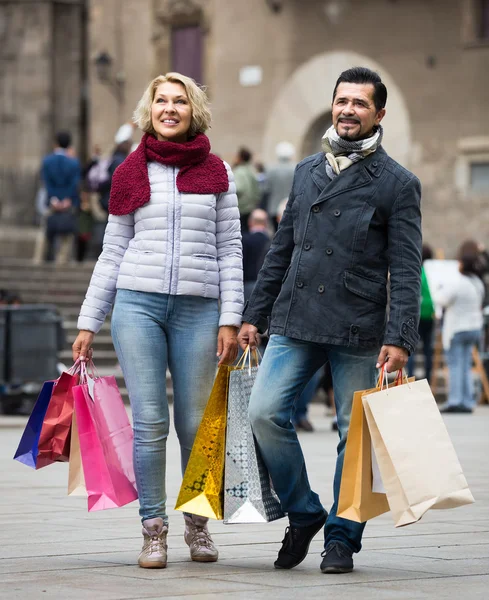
28	286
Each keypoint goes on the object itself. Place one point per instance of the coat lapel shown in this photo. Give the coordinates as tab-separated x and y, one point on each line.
356	176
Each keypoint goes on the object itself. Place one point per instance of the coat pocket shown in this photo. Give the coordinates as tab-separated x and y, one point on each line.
365	287
204	256
362	227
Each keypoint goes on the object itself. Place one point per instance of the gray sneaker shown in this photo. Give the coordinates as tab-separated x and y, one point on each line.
154	552
199	539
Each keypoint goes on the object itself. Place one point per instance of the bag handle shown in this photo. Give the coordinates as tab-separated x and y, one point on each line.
252	356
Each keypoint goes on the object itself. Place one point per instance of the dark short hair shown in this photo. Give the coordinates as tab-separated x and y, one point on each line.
244	154
362	75
63	139
426	252
470	259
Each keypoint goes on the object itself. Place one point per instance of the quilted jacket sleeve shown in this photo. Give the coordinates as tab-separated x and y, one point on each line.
101	291
229	255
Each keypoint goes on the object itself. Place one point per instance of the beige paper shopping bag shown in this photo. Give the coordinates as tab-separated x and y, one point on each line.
419	467
76	479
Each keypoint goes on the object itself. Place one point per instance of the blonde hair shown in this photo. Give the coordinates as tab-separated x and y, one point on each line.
199	103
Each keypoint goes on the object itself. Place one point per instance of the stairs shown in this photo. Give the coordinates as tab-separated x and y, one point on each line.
64	286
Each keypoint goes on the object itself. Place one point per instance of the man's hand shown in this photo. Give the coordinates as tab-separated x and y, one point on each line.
248	335
393	357
227	345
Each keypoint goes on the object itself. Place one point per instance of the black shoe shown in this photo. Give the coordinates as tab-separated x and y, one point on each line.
337	559
304	424
295	544
454	408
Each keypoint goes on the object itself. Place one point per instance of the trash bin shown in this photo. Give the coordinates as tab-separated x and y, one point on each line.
33	342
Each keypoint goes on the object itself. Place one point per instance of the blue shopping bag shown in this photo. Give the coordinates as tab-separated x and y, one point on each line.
28	447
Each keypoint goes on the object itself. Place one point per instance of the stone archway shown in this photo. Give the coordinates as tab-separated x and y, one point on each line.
306	97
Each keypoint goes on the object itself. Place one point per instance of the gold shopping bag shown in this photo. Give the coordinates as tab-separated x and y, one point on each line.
201	492
76	479
357	501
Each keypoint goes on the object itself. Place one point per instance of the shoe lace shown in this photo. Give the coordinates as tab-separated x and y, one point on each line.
340	550
201	536
290	534
155	543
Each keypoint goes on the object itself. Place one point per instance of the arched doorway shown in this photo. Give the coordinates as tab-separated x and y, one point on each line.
312	139
306	98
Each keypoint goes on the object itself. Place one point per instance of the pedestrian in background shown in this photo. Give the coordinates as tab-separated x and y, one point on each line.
256	242
462	299
99	181
426	325
172	260
324	291
60	174
247	188
279	179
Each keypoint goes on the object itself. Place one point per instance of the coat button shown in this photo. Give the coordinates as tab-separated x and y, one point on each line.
354	329
337	213
374	164
321	289
307	247
315	209
329	251
300	284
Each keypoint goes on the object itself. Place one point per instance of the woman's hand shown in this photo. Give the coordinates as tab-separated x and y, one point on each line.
82	345
227	345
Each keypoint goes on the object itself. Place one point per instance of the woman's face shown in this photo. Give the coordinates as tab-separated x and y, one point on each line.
171	113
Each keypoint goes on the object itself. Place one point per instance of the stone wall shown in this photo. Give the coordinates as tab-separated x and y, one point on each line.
424	48
40	93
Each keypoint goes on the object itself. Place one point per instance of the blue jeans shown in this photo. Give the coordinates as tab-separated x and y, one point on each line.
459	360
303	401
426	331
152	332
287	367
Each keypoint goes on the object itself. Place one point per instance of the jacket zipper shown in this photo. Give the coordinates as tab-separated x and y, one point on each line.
172	249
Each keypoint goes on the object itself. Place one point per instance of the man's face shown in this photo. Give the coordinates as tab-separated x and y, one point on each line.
353	111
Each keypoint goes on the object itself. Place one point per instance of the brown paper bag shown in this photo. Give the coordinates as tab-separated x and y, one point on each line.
419	467
76	479
357	502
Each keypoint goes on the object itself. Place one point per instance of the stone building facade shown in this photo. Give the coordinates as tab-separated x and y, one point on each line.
270	68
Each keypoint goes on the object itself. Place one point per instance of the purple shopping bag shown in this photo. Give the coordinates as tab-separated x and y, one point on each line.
106	444
28	447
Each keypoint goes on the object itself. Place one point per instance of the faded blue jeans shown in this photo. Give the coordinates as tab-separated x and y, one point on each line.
459	360
287	366
152	332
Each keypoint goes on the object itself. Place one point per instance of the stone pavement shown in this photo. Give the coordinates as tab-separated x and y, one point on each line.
50	547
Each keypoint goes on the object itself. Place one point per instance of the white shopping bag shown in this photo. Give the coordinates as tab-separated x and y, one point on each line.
417	461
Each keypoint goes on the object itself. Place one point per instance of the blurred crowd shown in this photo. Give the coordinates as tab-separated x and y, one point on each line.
73	202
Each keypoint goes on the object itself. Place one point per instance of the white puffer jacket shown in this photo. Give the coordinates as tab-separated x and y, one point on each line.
179	244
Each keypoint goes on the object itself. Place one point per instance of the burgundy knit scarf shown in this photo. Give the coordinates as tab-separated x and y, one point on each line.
200	172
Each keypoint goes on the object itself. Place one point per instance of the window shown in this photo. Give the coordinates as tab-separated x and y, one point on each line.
186	51
472	166
484	20
479	177
475	22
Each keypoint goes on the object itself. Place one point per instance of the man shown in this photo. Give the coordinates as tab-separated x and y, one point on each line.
353	216
279	179
60	173
247	188
256	242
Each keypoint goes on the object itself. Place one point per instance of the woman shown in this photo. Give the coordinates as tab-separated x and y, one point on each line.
462	325
172	248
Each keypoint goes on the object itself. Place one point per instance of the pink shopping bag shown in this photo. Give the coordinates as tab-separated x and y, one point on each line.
106	444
